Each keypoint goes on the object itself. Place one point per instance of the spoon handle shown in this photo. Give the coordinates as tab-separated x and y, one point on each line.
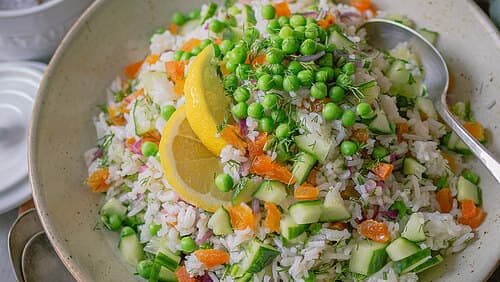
477	148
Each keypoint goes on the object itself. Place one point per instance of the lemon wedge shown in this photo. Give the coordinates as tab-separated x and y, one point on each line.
206	102
188	166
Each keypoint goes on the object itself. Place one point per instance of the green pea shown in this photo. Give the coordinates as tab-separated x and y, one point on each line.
336	93
266	124
348	118
308	47
238	55
283	20
216	26
327	60
311	32
196	50
283	130
274	56
273	26
186	56
341	61
226	46
278	81
471	176
322	76
322	35
178	55
230	83
319	90
224	182
306	77
270	101
252	34
154	228
286	32
231	66
241	94
167	111
144	268
344	81
297	20
206	42
240	110
310	21
294	67
114	222
206	245
348	148
187	244
299	32
349	68
149	149
290	45
265	82
291	83
194	14
243	71
255	110
276	41
268	12
331	111
364	110
126	231
379	152
330	48
277	69
178	18
337	72
329	71
278	115
231	21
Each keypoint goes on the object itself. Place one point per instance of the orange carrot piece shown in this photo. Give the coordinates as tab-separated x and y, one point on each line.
132	69
152	59
282	9
231	134
241	216
382	170
173	29
136	94
328	21
272	221
451	161
152	136
338	225
402	128
256	148
175	69
190	44
211	257
264	165
361	5
445	200
97	180
311	178
116	116
259	60
469	209
179	87
377	231
218	41
475	129
306	192
474	222
360	134
183	276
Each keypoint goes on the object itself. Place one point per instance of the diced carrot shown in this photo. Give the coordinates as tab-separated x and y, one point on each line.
152	59
231	134
377	231
132	69
402	128
256	148
173	29
136	94
306	192
475	221
451	161
273	216
445	200
423	116
374	11
241	216
129	142
175	69
360	134
382	170
282	9
316	105
152	136
116	116
218	41
338	225
183	276
475	129
328	21
361	5
97	180
179	87
469	209
212	257
259	60
190	44
311	178
264	165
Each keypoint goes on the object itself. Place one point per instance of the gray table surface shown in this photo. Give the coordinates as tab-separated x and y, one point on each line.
6	271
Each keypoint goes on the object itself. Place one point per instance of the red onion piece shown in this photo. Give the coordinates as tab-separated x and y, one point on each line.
394	157
311	14
204	238
310	58
376	210
392	214
380	183
205	278
244	168
136	147
256	206
143	168
242	123
98	153
140	196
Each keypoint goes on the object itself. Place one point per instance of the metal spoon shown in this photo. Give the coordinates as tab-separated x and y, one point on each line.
386	34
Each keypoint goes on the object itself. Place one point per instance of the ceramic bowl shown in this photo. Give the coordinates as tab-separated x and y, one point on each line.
113	33
34	33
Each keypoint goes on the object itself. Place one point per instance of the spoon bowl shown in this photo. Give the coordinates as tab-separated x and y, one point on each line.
386	34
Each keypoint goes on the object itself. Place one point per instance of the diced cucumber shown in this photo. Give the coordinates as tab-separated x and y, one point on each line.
428	264
427	107
341	41
460	147
333	208
462	110
402	19
401	248
412	167
452	141
414	229
370	91
468	191
316	145
302	166
411	262
306	212
244	190
404	83
403	51
220	222
130	247
166	275
290	229
113	206
144	116
430	35
257	257
368	257
168	259
271	191
249	13
209	12
381	124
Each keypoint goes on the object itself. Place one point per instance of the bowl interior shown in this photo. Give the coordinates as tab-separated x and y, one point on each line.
114	33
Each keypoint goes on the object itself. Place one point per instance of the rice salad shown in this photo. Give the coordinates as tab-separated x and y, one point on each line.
267	141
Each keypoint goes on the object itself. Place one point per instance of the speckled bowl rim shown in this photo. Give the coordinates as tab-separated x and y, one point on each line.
28	11
39	201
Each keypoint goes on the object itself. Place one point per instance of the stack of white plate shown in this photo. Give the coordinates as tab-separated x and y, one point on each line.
18	87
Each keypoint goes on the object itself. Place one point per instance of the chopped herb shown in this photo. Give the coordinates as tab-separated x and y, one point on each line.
119	96
411	79
103	108
401	208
